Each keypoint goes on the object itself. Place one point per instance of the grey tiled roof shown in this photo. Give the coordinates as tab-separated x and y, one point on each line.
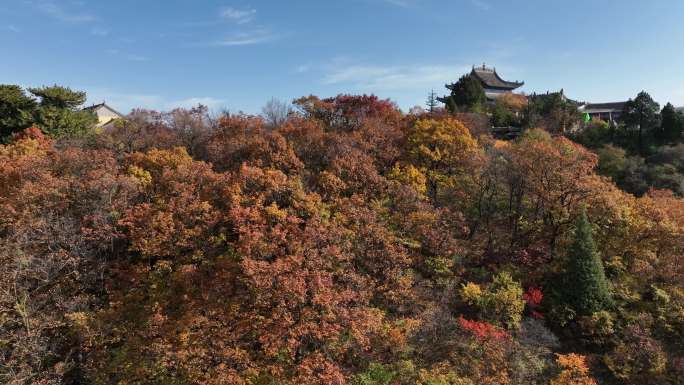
491	79
606	106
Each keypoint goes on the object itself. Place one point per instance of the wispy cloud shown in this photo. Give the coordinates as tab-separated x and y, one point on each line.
481	4
212	103
99	31
127	56
392	78
259	36
243	31
137	58
58	11
125	102
239	16
12	28
399	3
407	84
304	68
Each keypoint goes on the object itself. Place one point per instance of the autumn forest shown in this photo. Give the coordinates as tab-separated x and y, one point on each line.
342	242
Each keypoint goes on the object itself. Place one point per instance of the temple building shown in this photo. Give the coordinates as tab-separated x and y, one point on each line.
494	86
106	115
609	112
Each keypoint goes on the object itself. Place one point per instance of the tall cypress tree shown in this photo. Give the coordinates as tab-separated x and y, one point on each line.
585	287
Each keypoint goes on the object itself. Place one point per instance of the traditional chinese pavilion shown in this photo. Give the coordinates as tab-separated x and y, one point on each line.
494	86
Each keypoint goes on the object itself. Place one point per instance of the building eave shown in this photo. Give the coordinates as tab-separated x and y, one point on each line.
497	83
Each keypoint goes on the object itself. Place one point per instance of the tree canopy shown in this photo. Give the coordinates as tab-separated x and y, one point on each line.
348	244
56	110
16	110
466	94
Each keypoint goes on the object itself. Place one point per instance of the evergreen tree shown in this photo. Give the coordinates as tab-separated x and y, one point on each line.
16	110
59	112
642	114
432	101
585	287
671	125
59	97
467	93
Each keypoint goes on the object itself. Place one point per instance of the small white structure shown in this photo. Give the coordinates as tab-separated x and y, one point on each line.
106	115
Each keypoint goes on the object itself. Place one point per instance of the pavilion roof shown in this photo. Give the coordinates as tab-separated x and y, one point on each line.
490	79
613	106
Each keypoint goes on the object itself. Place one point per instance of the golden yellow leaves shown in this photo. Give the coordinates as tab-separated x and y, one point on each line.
574	370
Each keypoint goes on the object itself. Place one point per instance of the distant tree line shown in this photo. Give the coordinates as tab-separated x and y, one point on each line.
645	150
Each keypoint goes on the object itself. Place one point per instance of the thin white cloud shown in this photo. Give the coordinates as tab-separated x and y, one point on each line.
57	11
99	31
127	56
239	16
304	68
357	74
406	84
481	4
207	101
125	102
137	58
126	40
399	3
12	28
393	78
246	38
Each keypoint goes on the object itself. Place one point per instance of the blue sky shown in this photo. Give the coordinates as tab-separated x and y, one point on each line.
238	54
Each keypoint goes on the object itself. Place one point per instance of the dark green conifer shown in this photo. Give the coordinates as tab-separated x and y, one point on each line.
585	287
466	94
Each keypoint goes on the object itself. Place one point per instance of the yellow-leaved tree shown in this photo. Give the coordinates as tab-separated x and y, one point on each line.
574	370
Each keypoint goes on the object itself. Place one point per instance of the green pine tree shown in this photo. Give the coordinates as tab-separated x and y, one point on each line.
16	110
671	126
585	287
59	112
466	94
